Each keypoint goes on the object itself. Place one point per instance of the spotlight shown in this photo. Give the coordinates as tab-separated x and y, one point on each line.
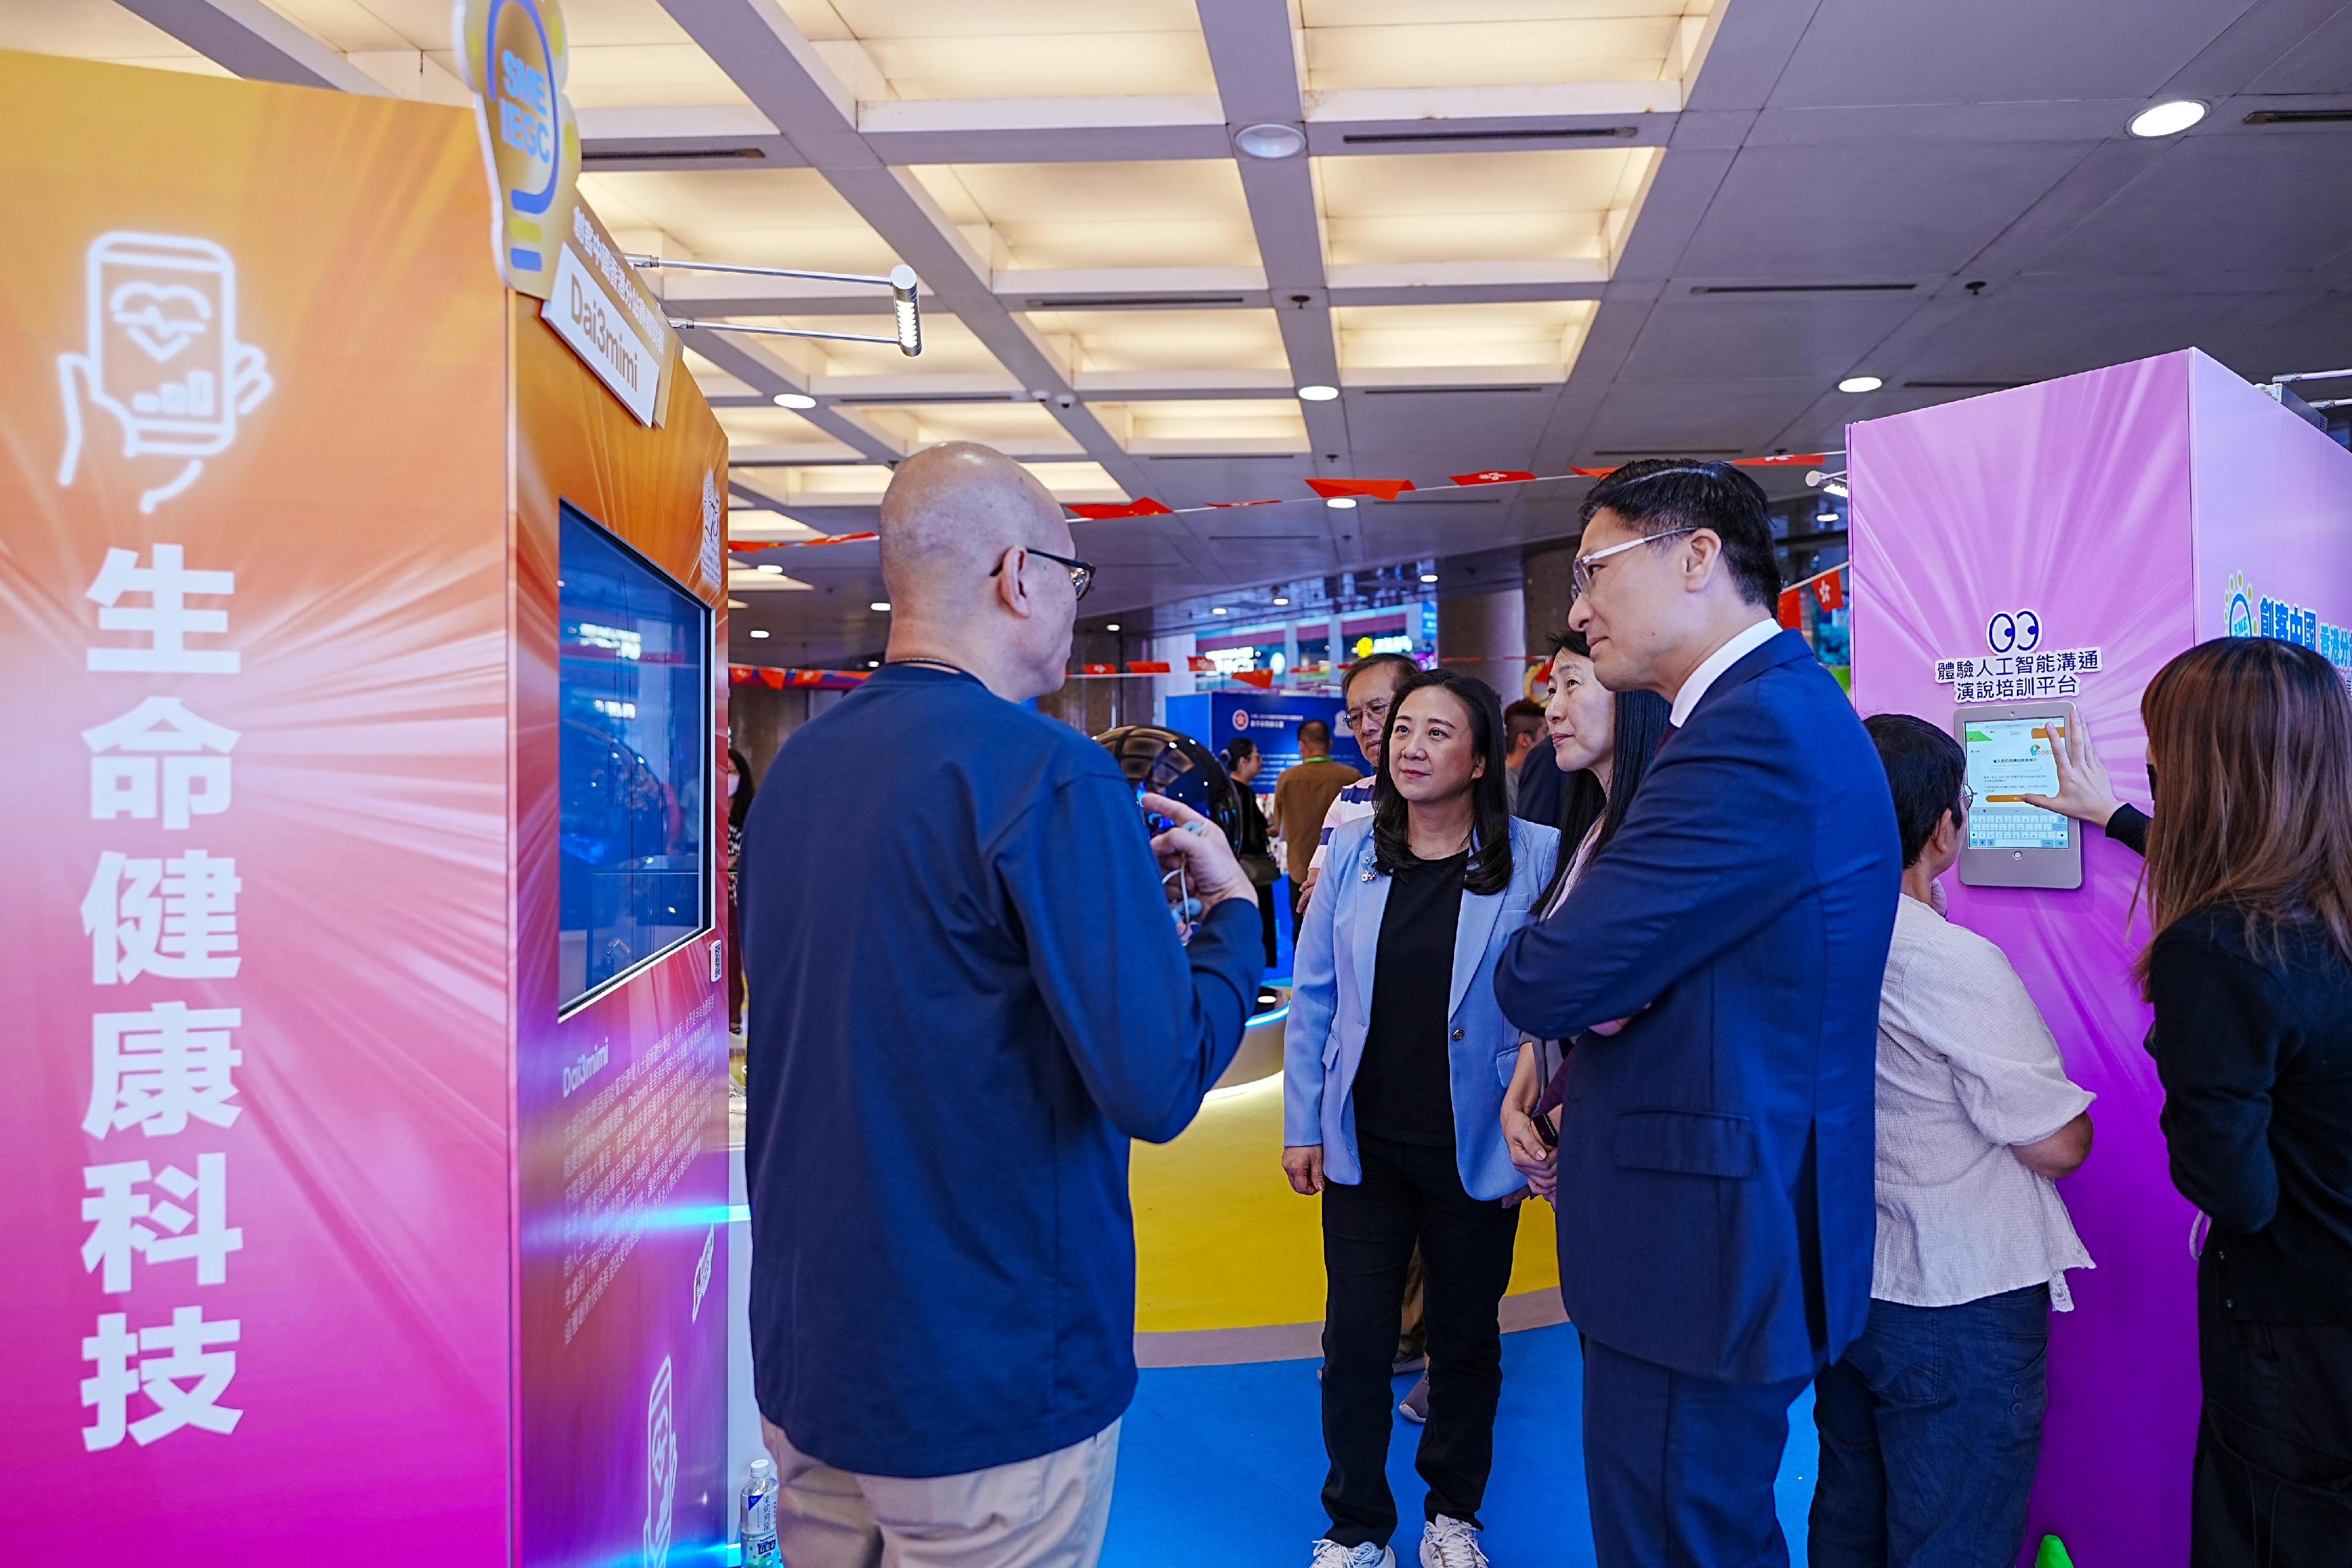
1341	503
1220	610
1317	393
757	633
1282	602
902	302
2169	118
880	607
1860	384
793	400
771	568
1110	625
1271	141
873	663
1429	576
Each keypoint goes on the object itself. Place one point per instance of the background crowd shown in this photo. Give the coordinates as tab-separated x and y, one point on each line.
1798	1128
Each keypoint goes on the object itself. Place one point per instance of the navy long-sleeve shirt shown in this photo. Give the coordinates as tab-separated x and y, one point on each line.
966	997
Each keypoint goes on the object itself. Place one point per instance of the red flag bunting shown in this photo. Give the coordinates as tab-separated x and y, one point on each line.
1228	506
1792	610
1830	592
1141	507
1493	476
1101	669
1592	472
1378	489
1783	460
1149	667
1261	679
1199	665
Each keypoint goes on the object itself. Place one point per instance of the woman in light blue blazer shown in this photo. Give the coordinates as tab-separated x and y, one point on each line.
1395	1062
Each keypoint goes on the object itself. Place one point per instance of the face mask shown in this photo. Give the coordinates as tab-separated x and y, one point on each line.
734	782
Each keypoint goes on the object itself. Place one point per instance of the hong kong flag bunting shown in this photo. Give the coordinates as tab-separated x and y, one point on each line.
1102	669
1493	476
1141	507
1199	665
1830	592
1378	489
1783	460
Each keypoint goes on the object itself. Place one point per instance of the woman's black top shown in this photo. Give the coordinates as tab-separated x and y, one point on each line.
1255	838
2129	827
1403	1091
2256	1052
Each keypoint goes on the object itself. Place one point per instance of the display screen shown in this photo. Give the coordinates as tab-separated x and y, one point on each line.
634	682
2009	758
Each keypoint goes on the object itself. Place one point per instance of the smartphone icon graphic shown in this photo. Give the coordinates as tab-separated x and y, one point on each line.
162	354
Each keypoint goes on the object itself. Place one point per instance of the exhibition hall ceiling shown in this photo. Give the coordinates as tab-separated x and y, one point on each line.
1513	233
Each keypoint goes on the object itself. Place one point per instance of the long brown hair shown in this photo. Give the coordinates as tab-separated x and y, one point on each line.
2250	739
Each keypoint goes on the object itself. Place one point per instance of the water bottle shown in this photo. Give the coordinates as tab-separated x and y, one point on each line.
759	1526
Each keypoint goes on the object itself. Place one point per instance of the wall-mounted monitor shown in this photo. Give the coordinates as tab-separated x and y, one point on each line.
633	683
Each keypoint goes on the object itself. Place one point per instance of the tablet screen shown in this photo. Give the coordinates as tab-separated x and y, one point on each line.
2009	758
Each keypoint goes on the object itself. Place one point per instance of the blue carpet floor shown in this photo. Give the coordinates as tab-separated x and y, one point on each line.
1224	1466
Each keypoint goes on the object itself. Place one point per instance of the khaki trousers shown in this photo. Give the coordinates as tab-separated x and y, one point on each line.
1046	1512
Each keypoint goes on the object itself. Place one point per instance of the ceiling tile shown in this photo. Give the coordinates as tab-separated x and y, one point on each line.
1161	340
1738	337
1994	51
1476	206
1168	212
1870	211
1354	44
2220	204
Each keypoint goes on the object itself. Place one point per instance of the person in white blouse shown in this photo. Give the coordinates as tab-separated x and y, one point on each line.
1931	1422
1602	740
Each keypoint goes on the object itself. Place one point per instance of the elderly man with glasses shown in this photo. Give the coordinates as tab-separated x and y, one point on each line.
967	996
1717	968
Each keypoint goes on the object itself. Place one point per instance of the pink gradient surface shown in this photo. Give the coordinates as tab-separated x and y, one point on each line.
2116	505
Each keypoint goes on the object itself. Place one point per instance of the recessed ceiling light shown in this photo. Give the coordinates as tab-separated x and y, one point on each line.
1110	625
1317	393
1825	517
1220	610
1282	602
1341	503
873	663
1429	576
2169	118
757	633
794	400
1271	141
880	607
1860	384
771	568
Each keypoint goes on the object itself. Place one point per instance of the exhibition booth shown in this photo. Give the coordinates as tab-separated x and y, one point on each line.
366	619
366	610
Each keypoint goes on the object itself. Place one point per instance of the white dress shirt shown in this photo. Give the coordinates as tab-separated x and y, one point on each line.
1966	1069
1711	669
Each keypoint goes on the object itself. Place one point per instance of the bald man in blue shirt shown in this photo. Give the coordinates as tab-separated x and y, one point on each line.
967	995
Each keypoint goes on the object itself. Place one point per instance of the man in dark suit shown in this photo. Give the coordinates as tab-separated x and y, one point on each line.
1721	961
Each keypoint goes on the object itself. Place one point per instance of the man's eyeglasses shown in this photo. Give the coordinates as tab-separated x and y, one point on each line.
1373	712
1582	569
1082	572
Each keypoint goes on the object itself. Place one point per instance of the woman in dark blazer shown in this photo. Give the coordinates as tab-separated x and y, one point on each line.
2250	884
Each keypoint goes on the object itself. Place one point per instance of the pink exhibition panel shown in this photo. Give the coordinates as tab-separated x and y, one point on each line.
2063	541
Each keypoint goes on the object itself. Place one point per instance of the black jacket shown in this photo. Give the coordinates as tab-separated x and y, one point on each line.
2255	1053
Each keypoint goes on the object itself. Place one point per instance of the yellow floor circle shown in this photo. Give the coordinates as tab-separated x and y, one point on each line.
1220	1240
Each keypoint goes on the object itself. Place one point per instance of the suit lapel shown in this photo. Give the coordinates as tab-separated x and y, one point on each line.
1479	913
1368	905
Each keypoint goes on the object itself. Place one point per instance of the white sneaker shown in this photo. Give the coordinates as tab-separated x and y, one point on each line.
1331	1554
1451	1543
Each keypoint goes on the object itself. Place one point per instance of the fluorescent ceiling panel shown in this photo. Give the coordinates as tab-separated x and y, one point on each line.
96	30
757	523
756	217
1255	426
1009	48
1171	212
1019	429
750	580
1495	43
862	484
1162	339
714	381
948	348
1543	335
770	427
1478	206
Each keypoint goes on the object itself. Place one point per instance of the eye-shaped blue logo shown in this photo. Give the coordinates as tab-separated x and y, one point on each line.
2013	631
